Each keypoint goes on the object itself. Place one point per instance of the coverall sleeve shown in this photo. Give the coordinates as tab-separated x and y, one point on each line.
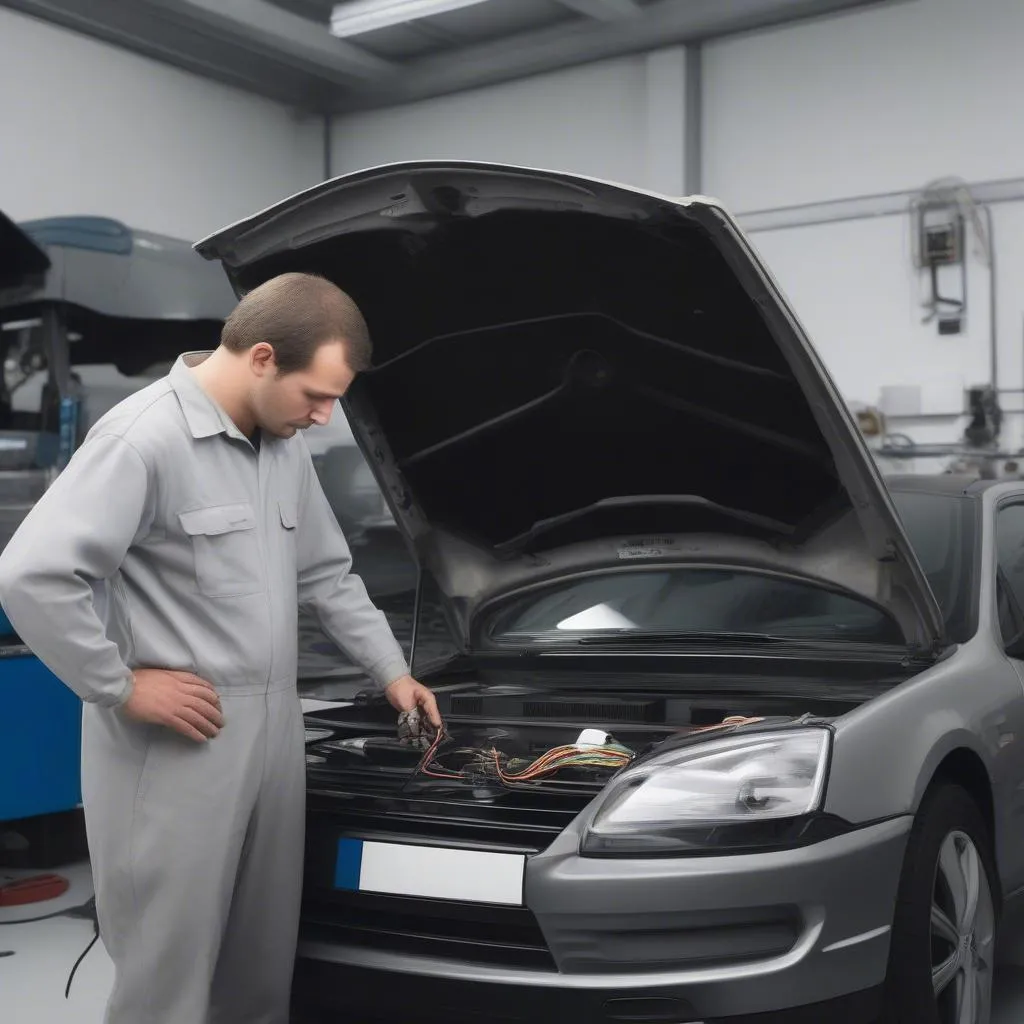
336	596
77	534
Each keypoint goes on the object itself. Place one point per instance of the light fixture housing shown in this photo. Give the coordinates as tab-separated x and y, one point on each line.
358	17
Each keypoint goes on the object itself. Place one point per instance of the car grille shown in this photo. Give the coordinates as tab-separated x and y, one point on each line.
379	803
482	934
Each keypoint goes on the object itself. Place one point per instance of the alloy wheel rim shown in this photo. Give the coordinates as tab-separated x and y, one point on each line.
962	933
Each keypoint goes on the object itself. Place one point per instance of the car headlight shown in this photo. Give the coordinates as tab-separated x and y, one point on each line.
751	791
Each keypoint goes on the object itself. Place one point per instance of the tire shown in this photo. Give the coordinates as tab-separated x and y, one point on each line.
936	964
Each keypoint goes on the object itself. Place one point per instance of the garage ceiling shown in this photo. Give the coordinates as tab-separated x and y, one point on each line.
284	49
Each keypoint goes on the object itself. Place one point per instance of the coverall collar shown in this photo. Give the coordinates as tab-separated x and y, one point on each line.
205	418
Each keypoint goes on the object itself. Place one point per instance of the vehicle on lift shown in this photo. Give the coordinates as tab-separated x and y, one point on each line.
104	312
90	311
114	307
732	729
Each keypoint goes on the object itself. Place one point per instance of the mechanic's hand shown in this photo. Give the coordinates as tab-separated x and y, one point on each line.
179	700
414	730
405	694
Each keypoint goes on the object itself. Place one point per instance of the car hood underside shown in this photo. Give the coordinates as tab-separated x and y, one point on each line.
566	370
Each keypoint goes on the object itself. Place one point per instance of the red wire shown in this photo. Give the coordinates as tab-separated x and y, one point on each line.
548	762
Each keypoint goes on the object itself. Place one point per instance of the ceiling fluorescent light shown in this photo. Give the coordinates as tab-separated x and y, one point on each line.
361	16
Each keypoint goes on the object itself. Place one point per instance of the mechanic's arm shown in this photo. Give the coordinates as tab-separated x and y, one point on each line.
78	532
337	597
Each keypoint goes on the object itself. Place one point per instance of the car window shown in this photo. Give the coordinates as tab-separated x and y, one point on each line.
1010	552
694	600
942	531
1009	620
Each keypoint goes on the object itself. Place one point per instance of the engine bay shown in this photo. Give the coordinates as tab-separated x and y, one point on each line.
513	738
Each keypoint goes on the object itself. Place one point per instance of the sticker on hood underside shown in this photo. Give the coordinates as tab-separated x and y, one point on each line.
640	552
645	547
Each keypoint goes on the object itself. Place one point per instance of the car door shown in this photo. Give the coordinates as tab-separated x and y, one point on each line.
1009	538
1009	585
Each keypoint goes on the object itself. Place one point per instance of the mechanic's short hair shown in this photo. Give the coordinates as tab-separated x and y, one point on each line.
296	314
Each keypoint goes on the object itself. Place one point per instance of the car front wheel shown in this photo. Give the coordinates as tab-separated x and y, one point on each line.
943	939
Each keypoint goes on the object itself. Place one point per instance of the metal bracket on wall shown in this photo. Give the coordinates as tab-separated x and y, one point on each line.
885	204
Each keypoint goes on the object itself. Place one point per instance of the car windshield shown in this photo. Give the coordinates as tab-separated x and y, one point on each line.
695	600
941	529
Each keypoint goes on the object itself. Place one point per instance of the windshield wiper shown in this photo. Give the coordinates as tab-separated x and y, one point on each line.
627	637
543	526
674	639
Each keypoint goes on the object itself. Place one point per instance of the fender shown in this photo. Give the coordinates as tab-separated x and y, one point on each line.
886	752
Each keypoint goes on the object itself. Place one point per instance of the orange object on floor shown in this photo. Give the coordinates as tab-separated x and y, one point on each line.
34	889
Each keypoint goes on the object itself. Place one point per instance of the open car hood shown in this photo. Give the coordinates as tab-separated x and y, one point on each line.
572	374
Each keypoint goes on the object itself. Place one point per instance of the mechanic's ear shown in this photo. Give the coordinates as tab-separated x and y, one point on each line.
261	358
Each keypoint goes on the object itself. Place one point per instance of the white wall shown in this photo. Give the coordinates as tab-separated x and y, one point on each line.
86	128
877	100
881	100
618	119
854	288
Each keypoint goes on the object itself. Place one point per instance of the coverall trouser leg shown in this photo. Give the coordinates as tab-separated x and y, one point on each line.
252	981
197	860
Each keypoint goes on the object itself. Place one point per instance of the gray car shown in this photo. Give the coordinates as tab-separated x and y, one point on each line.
732	728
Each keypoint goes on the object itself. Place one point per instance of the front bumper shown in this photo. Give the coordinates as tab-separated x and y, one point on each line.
354	994
794	936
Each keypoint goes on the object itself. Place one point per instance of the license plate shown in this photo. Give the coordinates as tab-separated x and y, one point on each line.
398	869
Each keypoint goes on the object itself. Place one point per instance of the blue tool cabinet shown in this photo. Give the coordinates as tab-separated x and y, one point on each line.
40	736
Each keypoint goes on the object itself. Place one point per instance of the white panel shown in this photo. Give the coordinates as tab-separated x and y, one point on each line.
470	875
878	100
900	399
592	120
86	128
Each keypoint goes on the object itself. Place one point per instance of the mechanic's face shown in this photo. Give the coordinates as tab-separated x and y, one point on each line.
285	404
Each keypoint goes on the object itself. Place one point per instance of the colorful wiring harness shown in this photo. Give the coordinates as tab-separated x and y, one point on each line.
611	757
514	770
510	771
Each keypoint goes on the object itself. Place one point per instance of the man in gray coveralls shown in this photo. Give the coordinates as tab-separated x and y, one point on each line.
160	578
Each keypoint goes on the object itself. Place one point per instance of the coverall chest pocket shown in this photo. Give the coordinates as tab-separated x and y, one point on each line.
226	549
289	516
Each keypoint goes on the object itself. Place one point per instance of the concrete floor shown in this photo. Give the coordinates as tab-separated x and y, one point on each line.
32	980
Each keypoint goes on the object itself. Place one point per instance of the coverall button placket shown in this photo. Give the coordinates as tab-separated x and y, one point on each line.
262	489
